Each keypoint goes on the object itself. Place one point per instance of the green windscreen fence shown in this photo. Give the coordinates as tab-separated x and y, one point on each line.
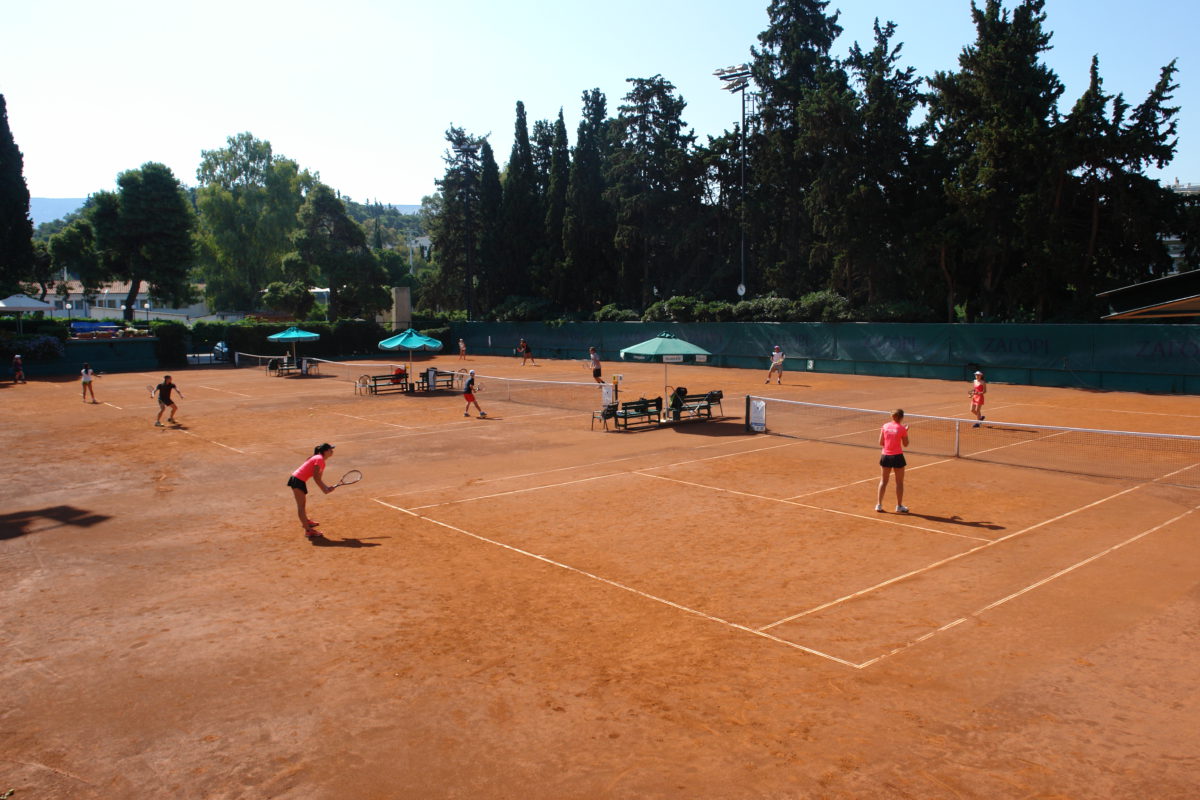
1158	358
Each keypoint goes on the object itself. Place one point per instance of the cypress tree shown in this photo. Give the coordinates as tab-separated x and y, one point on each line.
16	226
556	285
588	222
490	251
522	216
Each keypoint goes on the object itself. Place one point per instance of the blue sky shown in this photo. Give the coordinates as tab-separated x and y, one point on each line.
362	91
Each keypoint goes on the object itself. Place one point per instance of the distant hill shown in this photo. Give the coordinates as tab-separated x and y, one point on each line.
48	209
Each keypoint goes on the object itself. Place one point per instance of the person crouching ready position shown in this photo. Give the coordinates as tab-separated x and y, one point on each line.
313	468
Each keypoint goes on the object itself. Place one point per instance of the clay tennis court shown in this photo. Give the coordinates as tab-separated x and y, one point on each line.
522	607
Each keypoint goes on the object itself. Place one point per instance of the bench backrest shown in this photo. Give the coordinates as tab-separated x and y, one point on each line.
644	404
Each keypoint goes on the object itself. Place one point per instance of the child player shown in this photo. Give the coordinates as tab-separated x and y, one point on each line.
978	390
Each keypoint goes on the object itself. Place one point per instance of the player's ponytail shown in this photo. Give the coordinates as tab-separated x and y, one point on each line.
321	449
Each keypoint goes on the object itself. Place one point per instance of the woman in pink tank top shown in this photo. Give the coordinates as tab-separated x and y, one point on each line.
893	438
313	468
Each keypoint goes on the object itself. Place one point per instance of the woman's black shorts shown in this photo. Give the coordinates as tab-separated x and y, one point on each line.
296	483
895	462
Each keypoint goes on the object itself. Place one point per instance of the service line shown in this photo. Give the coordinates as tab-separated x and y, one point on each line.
624	587
1032	586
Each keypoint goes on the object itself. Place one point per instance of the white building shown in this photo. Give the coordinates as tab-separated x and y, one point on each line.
111	300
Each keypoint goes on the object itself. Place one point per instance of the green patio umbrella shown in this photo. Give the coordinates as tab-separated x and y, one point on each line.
293	335
410	340
668	349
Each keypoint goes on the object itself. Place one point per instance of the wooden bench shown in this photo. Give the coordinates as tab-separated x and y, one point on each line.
695	406
382	384
281	366
638	412
443	380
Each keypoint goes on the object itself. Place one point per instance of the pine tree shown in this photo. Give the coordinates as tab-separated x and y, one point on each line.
795	52
455	228
994	120
16	226
654	189
142	233
334	247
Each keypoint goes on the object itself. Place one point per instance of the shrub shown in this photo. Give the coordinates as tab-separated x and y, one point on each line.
766	309
612	313
714	311
442	334
522	309
823	306
171	347
898	311
32	347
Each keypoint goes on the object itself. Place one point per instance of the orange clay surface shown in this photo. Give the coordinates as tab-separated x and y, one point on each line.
520	607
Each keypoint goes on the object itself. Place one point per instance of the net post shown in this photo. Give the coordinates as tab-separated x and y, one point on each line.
957	428
748	414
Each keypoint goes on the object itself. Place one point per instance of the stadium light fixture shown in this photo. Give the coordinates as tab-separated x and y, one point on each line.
736	79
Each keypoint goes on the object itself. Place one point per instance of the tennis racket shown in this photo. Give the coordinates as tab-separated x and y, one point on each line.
149	388
478	386
353	476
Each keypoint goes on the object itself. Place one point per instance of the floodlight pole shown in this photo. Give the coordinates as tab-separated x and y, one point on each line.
737	79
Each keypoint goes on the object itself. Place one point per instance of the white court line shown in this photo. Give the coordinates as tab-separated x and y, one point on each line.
948	559
581	466
365	419
118	408
890	519
1031	587
517	491
873	479
1110	410
226	391
624	587
210	441
439	429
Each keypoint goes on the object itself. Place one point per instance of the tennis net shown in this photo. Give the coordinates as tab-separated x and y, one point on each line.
342	370
548	394
1160	457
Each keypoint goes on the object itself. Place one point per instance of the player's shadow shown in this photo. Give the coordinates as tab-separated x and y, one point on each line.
21	523
957	520
322	541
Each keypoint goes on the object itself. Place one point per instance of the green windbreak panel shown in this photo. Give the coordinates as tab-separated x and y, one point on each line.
893	342
1058	354
1031	346
1173	349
